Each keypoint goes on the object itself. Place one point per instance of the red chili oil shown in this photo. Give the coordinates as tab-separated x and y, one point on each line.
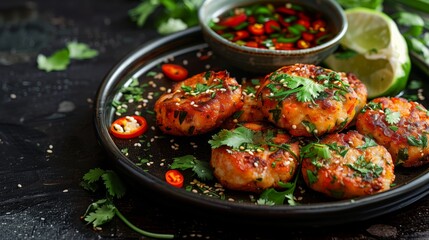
281	27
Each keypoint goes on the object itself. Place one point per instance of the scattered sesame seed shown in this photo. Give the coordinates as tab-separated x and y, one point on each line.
49	151
19	185
65	190
13	96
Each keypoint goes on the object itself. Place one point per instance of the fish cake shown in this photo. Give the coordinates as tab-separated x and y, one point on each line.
198	104
269	158
400	125
308	100
347	165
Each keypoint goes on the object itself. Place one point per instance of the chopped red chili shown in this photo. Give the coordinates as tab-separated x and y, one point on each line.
273	26
174	178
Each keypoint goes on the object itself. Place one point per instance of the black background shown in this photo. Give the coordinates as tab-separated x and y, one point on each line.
40	196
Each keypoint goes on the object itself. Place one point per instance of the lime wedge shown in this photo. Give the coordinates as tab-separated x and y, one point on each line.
381	61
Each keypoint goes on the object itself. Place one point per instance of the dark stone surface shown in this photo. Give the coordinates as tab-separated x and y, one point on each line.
47	137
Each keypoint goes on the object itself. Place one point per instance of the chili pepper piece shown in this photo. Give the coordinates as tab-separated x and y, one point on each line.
240	35
233	21
271	26
128	127
174	72
174	178
256	29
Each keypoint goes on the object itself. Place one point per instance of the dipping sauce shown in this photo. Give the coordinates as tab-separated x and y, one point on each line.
272	26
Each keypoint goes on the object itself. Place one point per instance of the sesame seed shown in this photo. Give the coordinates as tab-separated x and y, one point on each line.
294	126
19	185
12	96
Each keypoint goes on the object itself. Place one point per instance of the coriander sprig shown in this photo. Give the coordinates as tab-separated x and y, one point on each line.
104	210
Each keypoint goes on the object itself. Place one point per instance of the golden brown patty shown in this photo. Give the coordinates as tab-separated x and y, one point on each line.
308	100
400	125
270	157
350	166
198	104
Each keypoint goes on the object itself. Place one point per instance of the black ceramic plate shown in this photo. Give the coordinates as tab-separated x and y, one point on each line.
147	159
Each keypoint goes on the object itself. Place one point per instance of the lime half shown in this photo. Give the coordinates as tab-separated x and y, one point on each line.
380	58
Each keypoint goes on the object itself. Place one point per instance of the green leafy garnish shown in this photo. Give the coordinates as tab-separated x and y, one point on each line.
273	197
171	15
285	85
419	141
56	62
104	210
81	51
369	142
232	138
201	168
60	59
365	169
392	117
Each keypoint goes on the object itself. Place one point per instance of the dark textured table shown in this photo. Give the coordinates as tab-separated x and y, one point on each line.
48	141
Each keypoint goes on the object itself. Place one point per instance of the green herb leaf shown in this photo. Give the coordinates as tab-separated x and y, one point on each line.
140	13
419	141
101	215
273	197
366	169
56	62
305	89
369	142
113	184
201	168
81	51
392	117
232	138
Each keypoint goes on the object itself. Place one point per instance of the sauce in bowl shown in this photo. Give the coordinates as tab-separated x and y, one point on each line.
273	26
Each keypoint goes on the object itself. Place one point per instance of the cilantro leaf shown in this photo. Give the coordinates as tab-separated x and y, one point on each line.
101	215
175	15
392	117
113	184
93	175
80	51
140	13
232	138
369	142
305	89
90	179
56	62
273	197
201	168
104	210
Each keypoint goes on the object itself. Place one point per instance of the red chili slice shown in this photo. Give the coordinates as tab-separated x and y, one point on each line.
240	35
252	44
303	22
256	29
233	21
307	36
128	127
271	26
285	10
174	72
174	178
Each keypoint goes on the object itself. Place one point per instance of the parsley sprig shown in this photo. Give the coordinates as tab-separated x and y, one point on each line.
104	210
